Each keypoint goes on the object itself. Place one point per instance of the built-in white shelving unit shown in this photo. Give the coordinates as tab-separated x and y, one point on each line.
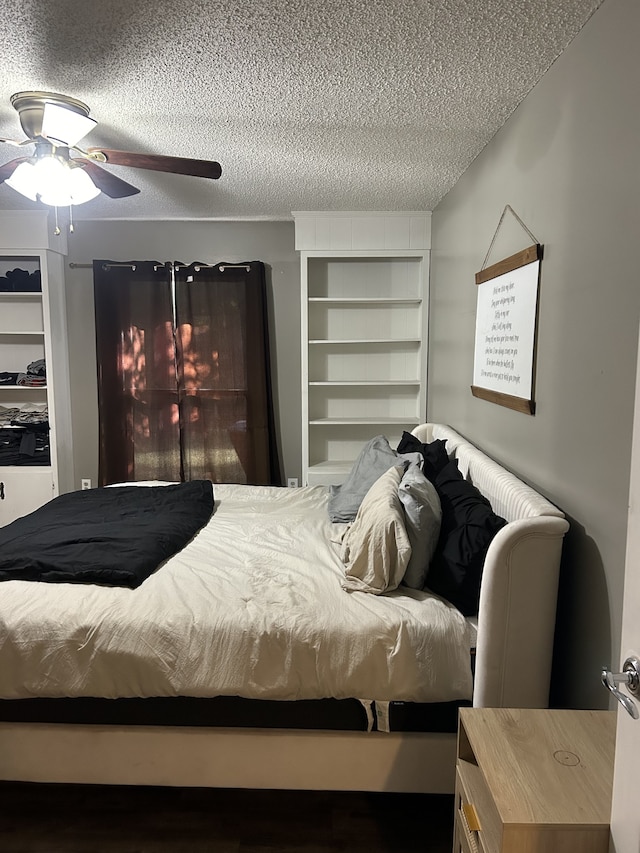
364	279
33	326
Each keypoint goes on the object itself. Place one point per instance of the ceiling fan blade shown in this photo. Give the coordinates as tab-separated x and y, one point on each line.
161	163
9	168
107	183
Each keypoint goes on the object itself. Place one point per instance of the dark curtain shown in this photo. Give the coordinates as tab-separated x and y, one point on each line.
224	376
139	422
184	380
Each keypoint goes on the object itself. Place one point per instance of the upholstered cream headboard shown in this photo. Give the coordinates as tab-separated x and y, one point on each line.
516	618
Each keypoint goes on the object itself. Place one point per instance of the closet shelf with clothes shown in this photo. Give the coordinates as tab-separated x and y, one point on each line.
24	415
25	445
35	376
24	435
35	393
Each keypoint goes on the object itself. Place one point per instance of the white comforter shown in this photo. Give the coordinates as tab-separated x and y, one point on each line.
252	606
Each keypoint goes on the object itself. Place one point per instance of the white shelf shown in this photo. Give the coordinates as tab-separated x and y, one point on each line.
12	469
23	387
331	465
351	341
19	333
327	473
362	300
364	334
356	383
357	421
34	326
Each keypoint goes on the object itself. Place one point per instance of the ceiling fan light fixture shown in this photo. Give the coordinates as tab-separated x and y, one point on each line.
54	124
53	181
65	125
72	186
23	181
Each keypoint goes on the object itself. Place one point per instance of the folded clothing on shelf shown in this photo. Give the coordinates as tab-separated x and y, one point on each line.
27	413
37	368
35	375
31	380
28	445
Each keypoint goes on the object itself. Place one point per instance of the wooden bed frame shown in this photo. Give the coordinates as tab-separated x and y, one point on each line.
516	623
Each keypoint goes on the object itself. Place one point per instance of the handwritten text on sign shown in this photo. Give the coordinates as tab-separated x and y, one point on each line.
505	331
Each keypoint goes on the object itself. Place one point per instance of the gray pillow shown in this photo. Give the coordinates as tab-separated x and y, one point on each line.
374	459
423	515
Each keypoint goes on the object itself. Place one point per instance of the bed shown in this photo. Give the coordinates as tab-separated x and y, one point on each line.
205	695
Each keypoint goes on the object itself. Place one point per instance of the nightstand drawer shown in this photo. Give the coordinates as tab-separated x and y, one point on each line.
465	841
471	789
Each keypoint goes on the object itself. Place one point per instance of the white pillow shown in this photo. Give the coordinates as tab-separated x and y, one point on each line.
376	548
423	516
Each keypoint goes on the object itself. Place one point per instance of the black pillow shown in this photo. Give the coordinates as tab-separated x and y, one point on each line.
468	526
434	453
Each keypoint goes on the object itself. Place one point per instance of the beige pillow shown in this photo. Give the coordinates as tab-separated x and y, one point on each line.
376	548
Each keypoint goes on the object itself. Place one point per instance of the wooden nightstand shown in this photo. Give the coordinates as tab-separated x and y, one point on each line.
533	781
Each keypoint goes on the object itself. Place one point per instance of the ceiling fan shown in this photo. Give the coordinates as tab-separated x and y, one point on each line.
59	173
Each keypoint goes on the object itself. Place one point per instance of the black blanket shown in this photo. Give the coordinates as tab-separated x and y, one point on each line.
112	536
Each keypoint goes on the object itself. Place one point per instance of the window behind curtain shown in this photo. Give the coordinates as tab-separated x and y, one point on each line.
184	386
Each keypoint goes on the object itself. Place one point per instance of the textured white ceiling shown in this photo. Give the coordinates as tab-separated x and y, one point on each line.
316	105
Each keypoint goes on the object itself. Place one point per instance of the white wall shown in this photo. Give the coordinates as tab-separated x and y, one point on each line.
270	242
568	162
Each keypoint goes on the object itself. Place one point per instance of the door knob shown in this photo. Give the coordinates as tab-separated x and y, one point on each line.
630	677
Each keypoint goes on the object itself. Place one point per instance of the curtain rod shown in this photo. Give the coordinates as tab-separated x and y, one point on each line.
75	266
197	267
221	267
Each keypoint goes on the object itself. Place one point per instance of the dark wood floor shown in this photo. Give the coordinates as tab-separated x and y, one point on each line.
97	819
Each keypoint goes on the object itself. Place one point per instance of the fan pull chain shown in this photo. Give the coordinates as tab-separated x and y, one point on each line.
57	230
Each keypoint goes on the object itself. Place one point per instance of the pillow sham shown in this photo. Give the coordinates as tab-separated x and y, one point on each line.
423	514
467	529
376	457
376	548
434	453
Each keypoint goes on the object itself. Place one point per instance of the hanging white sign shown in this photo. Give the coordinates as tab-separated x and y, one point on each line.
504	354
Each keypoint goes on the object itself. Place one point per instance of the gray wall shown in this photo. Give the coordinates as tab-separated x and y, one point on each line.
271	242
567	161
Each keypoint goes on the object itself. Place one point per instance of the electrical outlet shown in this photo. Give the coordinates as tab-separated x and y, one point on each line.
85	484
292	483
